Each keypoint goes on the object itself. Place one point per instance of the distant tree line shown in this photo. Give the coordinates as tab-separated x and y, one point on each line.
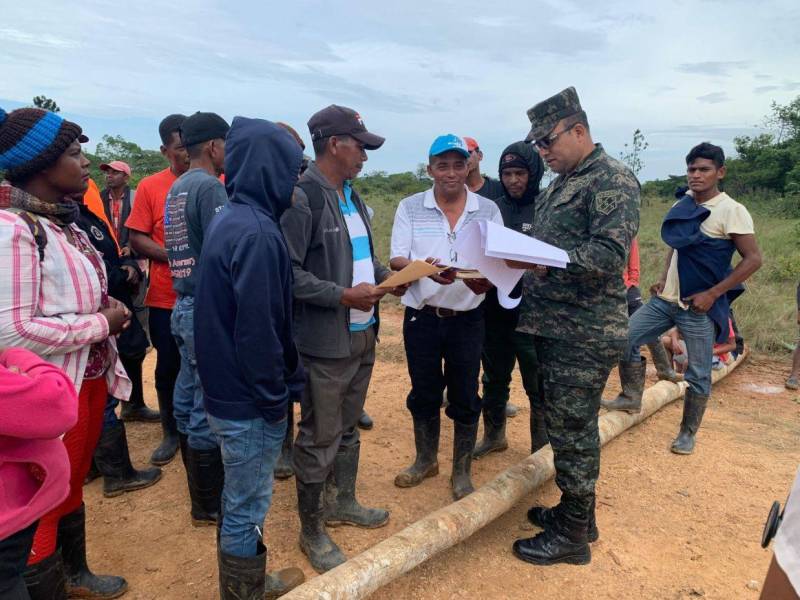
769	162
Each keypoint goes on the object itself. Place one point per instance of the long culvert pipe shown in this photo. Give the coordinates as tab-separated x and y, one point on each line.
446	527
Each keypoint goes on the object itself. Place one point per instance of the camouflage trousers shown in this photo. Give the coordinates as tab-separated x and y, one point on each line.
575	374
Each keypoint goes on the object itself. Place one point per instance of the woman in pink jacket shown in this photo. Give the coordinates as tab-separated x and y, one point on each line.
38	404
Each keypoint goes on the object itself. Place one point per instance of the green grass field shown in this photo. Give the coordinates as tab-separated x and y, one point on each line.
766	312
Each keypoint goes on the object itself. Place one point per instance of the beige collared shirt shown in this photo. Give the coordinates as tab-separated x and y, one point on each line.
727	217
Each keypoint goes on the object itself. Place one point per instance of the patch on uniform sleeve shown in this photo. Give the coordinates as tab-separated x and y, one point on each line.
606	201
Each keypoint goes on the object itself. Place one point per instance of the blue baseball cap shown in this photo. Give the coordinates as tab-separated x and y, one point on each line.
448	143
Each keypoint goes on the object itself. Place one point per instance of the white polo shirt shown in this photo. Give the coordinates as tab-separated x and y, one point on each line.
726	217
421	230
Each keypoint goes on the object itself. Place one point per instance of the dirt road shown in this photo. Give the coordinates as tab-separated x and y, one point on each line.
671	527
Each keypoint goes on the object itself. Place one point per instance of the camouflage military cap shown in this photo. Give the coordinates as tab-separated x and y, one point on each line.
546	115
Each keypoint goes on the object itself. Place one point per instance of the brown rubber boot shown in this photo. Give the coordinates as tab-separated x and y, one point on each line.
426	440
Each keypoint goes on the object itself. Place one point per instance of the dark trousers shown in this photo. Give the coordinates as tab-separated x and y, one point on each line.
14	551
444	352
575	374
168	359
133	367
331	405
503	347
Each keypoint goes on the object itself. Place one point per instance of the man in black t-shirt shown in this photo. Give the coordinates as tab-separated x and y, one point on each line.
480	184
192	202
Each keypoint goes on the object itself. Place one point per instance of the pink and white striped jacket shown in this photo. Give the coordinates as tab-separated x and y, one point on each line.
50	307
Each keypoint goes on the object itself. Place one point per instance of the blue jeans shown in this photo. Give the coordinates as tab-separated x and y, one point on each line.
697	329
250	449
190	413
110	415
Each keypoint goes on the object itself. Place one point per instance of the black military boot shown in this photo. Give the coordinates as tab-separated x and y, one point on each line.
463	445
46	579
538	426
694	406
316	544
565	542
205	475
426	464
93	473
169	443
631	376
81	582
283	466
664	369
114	462
365	421
245	577
546	518
494	432
341	506
135	409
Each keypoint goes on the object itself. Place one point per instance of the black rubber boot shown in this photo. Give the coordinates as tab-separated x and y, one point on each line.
546	518
694	406
463	445
494	432
565	542
46	579
631	375
205	475
316	544
114	462
93	473
664	370
183	444
341	506
538	427
135	409
283	466
426	463
169	444
245	578
365	421
81	582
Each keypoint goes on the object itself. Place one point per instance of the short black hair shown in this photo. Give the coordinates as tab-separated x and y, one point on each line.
579	117
706	150
169	125
196	150
320	146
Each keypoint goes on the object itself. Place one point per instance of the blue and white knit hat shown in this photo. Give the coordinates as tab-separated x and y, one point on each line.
32	139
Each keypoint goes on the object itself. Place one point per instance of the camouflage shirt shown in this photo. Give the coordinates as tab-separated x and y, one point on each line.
593	214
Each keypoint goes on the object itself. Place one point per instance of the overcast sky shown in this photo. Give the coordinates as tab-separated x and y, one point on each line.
681	71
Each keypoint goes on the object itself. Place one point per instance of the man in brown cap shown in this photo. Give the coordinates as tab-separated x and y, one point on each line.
577	315
328	233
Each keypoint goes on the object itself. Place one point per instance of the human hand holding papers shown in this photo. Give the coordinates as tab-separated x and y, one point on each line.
486	246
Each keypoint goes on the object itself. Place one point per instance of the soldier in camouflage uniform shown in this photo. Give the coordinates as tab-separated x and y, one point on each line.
578	315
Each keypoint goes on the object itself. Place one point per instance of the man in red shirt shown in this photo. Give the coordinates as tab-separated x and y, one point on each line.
146	226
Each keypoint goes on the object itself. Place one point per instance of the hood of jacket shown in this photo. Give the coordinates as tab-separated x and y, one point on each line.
535	170
262	164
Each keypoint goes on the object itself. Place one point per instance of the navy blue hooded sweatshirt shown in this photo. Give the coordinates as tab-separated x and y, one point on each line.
246	356
703	261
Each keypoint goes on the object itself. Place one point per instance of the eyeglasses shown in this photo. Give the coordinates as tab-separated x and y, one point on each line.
548	140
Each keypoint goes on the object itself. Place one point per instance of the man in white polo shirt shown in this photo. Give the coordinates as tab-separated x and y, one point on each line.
443	324
702	230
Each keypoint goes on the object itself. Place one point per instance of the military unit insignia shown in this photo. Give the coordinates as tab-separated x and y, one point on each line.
607	201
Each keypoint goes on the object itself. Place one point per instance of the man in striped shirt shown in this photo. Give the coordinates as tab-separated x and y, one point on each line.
327	231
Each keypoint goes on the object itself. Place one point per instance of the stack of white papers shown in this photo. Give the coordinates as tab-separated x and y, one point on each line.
486	246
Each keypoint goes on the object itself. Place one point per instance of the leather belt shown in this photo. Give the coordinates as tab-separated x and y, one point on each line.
441	312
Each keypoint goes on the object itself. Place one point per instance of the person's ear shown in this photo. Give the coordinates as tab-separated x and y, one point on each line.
163	150
430	171
721	172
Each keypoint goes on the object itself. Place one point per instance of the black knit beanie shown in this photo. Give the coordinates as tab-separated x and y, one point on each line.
32	139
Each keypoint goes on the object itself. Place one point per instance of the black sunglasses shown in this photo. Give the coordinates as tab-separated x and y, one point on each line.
548	140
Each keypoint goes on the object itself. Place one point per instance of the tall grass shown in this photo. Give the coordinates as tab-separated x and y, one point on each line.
765	313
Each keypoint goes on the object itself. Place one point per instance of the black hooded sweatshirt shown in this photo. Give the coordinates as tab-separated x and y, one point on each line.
517	215
246	356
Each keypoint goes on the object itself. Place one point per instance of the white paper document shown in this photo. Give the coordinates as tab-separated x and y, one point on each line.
485	245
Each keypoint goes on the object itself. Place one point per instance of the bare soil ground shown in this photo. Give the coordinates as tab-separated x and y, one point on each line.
671	527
